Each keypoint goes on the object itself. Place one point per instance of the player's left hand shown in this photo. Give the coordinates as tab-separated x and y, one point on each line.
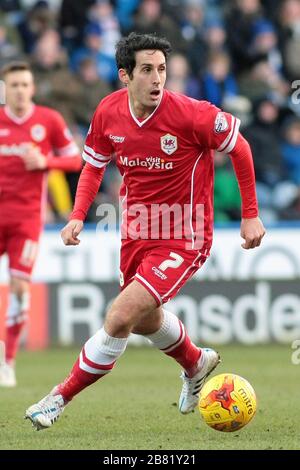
252	231
34	160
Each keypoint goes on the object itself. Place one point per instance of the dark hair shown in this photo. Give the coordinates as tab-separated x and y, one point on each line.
16	66
128	46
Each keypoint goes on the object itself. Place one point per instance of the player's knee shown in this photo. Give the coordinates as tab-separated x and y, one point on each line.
149	323
121	317
117	325
123	320
19	287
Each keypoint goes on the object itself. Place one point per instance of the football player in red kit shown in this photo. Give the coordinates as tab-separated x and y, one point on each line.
33	140
163	144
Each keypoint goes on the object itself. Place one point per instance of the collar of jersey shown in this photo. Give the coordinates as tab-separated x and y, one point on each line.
141	123
16	119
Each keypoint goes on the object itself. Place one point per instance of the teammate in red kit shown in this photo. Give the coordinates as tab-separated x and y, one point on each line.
33	140
163	143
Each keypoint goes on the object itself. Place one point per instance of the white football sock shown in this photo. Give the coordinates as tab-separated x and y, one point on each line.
101	349
170	334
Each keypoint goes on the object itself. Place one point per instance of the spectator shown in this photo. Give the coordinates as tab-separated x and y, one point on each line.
10	5
263	80
227	199
8	49
218	81
72	21
215	35
92	90
264	137
291	148
106	65
264	44
151	17
179	78
55	85
192	31
38	20
290	37
102	14
125	12
274	191
240	33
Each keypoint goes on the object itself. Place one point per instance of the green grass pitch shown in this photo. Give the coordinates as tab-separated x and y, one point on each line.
135	406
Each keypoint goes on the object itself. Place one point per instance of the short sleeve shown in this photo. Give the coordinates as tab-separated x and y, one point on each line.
61	138
97	149
214	128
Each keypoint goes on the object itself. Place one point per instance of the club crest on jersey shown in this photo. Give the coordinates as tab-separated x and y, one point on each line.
168	143
38	132
221	124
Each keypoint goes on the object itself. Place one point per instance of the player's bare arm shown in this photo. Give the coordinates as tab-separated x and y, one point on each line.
70	232
252	231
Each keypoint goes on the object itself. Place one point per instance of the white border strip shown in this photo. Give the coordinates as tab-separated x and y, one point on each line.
21	274
234	138
228	138
92	161
150	287
89	369
95	154
191	203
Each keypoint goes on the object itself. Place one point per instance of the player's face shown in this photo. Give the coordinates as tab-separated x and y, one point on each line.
146	84
19	90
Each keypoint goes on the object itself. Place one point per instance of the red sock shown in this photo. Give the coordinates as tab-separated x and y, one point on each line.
12	339
78	379
186	354
96	359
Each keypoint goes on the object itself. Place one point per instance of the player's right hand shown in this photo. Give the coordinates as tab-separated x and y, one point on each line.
33	159
70	232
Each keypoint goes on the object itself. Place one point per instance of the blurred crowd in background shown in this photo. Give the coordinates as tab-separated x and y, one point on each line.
241	55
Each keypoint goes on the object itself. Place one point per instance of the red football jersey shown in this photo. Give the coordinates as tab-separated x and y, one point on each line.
166	162
22	191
